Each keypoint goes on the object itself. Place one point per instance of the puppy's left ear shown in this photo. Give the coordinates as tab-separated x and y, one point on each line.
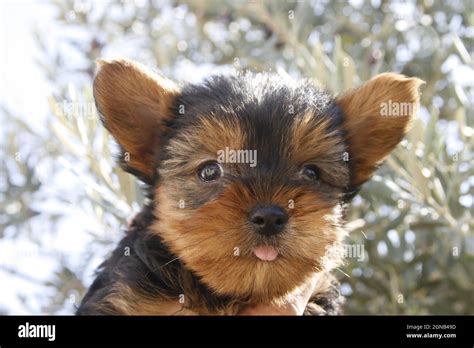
376	117
135	106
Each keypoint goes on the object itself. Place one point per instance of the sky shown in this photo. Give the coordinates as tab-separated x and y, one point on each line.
23	86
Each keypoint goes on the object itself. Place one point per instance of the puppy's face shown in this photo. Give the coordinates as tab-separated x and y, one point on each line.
249	173
251	183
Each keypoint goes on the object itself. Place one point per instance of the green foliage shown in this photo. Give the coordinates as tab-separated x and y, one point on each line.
412	211
414	219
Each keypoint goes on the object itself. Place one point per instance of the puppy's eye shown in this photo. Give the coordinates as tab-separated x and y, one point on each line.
310	172
210	171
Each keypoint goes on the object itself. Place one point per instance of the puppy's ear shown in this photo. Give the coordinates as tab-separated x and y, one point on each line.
134	105
376	117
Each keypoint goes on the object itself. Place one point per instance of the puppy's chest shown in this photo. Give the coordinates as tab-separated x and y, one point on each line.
171	308
163	308
129	302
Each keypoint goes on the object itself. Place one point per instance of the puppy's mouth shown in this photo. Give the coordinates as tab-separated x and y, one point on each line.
266	252
268	248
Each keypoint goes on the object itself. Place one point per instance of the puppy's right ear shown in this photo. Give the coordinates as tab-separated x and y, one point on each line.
134	105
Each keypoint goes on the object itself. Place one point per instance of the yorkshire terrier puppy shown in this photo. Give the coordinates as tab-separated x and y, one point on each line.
247	176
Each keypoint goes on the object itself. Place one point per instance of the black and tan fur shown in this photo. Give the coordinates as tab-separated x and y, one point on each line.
183	258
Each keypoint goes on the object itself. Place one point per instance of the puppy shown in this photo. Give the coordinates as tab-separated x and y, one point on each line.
247	178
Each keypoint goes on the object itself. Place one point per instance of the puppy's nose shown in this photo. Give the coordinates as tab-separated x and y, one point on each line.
268	219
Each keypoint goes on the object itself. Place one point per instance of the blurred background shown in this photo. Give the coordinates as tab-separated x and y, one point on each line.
64	204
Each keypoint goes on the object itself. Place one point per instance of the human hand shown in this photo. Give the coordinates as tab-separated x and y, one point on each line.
294	304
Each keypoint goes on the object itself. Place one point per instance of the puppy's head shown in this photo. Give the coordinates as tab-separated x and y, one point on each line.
249	173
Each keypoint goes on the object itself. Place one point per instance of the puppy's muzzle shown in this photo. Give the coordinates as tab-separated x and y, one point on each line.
268	220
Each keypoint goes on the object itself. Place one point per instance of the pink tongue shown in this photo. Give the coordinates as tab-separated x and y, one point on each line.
266	253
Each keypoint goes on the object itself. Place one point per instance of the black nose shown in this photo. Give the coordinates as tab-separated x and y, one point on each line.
268	219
